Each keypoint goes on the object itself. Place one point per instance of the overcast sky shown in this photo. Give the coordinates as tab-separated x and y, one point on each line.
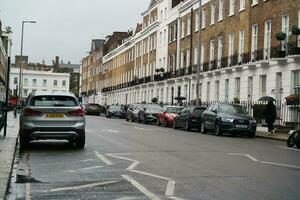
66	27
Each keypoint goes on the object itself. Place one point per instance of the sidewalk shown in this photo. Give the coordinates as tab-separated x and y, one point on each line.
7	153
262	132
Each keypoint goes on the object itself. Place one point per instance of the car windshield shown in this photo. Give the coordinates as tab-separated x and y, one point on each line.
115	108
173	109
154	108
232	109
53	101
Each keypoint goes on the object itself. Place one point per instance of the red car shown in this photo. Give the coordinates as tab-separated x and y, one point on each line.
167	116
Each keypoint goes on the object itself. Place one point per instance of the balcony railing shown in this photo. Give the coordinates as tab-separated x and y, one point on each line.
225	62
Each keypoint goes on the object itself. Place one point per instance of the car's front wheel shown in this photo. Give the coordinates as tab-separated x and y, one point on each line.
80	141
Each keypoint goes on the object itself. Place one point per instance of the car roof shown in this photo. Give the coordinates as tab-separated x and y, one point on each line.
42	93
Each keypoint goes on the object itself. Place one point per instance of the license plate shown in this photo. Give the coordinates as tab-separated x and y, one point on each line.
55	115
241	126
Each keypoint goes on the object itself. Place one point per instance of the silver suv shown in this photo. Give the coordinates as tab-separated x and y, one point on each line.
52	116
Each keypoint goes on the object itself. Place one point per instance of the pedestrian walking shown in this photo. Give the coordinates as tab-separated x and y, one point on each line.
270	116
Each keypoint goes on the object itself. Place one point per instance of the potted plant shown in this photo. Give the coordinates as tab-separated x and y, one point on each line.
236	100
293	99
157	70
154	100
296	32
281	36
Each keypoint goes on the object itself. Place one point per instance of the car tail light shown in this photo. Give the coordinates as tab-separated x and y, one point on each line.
30	112
78	112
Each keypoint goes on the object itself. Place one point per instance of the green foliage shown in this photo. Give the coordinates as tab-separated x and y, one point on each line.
280	36
154	100
296	30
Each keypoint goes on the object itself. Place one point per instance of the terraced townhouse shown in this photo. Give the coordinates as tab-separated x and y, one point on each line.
243	53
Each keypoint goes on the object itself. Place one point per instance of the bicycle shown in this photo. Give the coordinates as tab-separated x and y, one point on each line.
294	138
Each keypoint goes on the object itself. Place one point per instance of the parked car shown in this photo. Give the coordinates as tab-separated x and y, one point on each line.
124	111
168	115
133	111
221	117
92	109
114	111
149	113
189	118
52	116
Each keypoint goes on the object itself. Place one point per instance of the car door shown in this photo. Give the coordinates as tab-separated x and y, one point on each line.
184	116
211	116
161	115
179	117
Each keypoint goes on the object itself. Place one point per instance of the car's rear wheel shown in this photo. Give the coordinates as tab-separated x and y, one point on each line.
187	126
24	141
80	141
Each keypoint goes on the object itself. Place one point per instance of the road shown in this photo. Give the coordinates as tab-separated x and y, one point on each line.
127	161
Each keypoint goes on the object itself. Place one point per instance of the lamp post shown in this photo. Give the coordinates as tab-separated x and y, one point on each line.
199	54
21	60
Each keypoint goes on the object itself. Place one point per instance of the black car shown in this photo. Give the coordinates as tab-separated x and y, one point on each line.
230	118
189	118
114	111
149	113
92	109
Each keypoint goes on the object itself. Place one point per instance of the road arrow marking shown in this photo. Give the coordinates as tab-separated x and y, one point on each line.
103	158
141	188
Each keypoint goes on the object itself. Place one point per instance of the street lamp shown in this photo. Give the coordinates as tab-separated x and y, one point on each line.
21	59
199	54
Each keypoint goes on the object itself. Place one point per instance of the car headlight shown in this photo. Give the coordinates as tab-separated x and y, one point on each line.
229	120
253	121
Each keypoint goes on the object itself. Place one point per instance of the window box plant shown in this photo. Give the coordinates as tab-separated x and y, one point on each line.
293	99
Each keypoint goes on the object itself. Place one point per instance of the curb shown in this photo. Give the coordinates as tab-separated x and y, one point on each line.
271	138
11	168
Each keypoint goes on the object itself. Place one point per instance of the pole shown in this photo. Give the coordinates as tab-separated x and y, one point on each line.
6	95
199	55
21	65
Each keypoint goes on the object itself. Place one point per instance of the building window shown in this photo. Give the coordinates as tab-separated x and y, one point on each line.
250	88
231	7
263	85
165	37
166	13
242	5
182	29
202	53
44	82
189	26
267	40
237	87
203	18
254	38
15	80
34	81
221	10
26	81
55	82
220	51
254	2
296	85
241	45
196	54
212	13
208	92
285	29
196	21
64	83
188	55
231	48
217	90
227	90
212	52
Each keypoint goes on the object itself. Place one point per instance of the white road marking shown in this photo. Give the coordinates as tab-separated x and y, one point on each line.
149	174
174	198
142	129
282	165
133	165
27	173
83	186
170	188
91	168
264	162
127	198
288	148
141	188
103	158
246	155
87	160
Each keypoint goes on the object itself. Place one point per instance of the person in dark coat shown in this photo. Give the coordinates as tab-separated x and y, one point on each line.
270	116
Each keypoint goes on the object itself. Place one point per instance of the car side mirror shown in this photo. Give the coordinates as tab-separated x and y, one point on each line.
179	113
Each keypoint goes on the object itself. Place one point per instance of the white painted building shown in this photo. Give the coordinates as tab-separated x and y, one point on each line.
39	81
